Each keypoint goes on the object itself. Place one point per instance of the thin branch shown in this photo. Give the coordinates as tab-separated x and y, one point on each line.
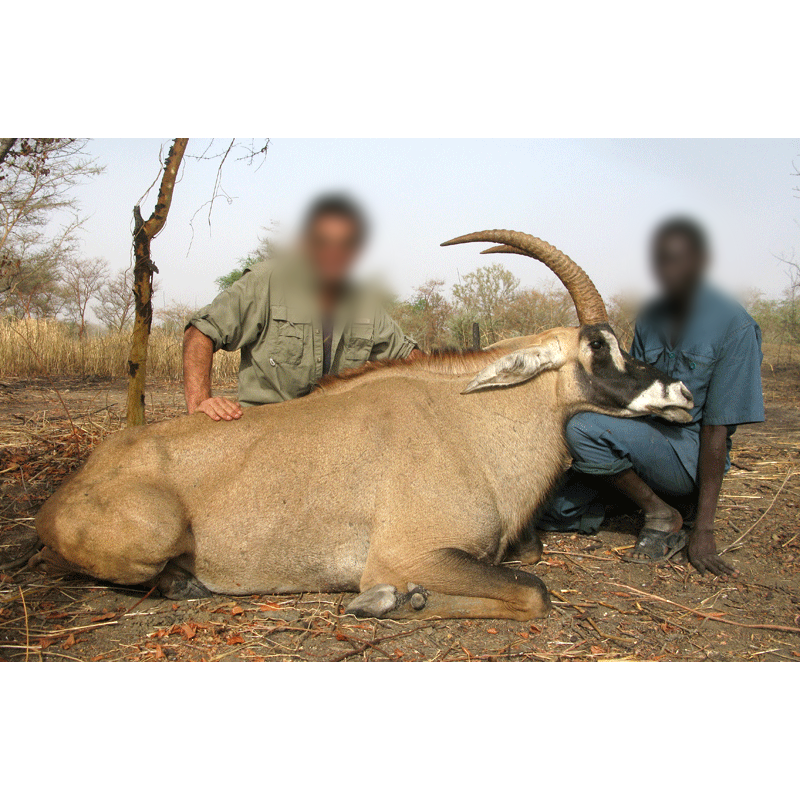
713	617
734	545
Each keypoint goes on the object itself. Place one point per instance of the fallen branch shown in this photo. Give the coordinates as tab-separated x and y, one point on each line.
371	644
713	617
735	544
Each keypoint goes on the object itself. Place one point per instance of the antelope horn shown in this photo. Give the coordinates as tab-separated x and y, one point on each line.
588	303
503	248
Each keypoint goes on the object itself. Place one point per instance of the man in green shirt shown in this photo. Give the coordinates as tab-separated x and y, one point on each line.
294	318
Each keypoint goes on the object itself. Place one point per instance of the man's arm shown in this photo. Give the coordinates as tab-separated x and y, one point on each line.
198	354
734	397
390	341
702	544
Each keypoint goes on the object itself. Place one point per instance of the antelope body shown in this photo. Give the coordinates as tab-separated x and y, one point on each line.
406	482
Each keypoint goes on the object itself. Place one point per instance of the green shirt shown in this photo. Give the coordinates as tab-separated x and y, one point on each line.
271	314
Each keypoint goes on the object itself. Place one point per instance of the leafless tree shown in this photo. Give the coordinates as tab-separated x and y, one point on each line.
116	307
37	182
173	318
82	279
5	148
144	231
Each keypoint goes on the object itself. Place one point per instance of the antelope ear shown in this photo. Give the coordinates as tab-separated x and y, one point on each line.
518	367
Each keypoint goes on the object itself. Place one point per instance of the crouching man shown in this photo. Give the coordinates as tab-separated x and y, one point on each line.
708	341
294	319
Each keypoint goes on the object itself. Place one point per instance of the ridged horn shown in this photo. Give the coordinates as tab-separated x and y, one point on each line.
588	302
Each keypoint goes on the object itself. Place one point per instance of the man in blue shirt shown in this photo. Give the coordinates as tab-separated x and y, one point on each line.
708	341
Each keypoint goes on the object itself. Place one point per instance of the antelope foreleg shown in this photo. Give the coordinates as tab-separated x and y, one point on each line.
450	584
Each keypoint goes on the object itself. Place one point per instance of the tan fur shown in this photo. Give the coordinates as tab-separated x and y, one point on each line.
386	476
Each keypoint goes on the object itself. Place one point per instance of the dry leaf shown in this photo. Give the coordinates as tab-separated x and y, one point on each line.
70	641
188	629
45	643
102	617
399	653
236	610
236	639
491	630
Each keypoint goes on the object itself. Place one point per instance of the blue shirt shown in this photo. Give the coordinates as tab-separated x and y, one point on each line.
718	357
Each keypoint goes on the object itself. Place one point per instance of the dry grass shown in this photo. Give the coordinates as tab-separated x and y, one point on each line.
30	347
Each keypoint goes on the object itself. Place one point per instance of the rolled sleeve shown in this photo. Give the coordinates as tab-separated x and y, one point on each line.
735	396
390	341
232	319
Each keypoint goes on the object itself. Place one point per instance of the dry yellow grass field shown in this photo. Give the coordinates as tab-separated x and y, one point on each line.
30	347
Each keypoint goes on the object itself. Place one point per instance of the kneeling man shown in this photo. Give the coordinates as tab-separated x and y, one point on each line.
708	341
294	319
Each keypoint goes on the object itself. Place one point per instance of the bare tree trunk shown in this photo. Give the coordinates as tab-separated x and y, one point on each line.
5	147
143	233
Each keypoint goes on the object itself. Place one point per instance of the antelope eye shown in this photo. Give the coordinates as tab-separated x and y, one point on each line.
597	344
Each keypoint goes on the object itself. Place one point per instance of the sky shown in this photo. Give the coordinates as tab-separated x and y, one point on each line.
595	199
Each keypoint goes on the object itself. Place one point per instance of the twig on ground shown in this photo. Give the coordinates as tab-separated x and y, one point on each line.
736	543
716	617
579	554
27	629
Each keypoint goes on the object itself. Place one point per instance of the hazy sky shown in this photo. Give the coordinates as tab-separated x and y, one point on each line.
595	199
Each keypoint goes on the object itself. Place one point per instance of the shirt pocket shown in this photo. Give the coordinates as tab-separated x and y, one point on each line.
290	334
696	367
359	344
658	358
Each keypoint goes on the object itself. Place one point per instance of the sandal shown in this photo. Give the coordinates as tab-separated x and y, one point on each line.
656	546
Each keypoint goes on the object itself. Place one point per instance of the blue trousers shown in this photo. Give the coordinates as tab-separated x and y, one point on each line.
604	446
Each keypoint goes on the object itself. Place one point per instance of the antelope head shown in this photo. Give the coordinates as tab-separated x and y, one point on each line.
598	374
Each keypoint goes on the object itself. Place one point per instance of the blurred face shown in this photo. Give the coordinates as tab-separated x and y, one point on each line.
677	265
332	246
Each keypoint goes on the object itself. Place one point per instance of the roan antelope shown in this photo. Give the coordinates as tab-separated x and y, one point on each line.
407	482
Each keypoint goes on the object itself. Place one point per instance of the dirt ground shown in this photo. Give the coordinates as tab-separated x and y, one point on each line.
605	609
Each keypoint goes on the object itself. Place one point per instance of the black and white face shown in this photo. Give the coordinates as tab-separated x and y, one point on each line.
612	381
595	374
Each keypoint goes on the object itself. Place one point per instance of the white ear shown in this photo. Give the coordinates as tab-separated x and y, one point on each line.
518	367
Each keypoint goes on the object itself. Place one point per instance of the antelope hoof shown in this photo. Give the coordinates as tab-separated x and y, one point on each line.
418	597
375	602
